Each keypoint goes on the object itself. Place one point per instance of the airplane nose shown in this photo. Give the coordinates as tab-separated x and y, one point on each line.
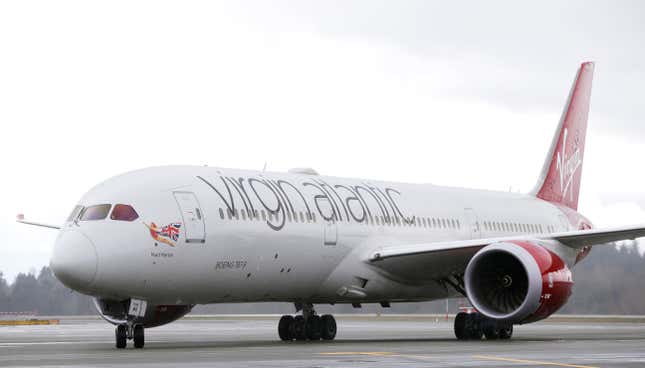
74	260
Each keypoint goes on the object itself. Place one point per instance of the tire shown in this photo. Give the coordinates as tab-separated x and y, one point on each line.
491	331
473	327
328	327
285	328
312	328
299	328
506	332
460	326
139	337
121	335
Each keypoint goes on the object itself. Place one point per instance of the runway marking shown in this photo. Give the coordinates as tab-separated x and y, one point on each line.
501	359
376	353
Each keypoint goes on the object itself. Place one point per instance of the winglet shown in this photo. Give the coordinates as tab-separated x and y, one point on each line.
21	219
561	174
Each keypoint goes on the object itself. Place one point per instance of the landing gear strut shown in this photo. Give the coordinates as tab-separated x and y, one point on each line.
472	326
308	326
127	331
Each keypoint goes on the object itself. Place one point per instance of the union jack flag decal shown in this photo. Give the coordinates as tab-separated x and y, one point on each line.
168	234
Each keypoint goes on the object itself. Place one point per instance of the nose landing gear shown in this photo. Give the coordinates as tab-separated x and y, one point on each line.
472	326
128	331
308	326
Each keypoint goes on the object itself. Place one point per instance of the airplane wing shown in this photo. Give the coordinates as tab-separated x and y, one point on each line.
431	261
21	219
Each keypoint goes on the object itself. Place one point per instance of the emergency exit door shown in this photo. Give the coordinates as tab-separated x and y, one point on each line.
191	212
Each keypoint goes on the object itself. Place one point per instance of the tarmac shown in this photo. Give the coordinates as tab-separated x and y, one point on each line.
243	341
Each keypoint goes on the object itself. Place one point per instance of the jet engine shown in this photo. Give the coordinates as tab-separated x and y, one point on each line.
517	282
116	312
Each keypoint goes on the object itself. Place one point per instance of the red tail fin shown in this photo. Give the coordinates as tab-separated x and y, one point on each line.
559	181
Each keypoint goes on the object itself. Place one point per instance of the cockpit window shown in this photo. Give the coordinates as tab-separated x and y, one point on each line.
124	212
97	212
74	214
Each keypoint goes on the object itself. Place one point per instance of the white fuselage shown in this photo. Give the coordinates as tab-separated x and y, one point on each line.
262	236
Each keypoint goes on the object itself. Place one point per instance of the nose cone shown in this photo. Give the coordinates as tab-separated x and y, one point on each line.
74	261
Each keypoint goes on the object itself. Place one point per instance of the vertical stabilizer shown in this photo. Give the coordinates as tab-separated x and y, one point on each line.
559	181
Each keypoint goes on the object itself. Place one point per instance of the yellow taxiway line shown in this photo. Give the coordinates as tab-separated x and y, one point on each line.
536	362
483	357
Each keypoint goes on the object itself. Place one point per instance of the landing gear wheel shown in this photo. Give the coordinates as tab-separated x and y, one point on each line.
328	327
298	329
506	332
473	327
491	331
121	334
138	336
460	326
312	328
285	327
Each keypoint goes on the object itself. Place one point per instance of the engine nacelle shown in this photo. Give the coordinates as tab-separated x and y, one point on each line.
116	312
517	282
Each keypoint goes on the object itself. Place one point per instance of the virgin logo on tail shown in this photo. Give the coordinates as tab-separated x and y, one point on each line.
567	166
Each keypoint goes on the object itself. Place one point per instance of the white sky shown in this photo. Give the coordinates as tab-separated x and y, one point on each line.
455	94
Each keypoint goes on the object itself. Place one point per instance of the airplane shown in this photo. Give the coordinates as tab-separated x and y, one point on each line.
149	245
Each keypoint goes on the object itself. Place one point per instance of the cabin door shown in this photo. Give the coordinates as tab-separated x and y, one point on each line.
192	215
472	224
331	233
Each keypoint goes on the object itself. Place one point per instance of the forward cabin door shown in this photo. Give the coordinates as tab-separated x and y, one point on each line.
473	231
191	212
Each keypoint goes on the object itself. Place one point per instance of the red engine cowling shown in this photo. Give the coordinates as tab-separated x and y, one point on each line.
517	282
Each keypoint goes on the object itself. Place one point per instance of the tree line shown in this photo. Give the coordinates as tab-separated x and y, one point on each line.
607	282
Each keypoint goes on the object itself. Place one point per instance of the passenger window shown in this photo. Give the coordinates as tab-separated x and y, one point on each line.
97	212
221	214
243	214
264	215
302	217
74	214
124	212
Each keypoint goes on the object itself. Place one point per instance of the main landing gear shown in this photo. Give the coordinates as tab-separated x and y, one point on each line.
125	331
473	326
308	326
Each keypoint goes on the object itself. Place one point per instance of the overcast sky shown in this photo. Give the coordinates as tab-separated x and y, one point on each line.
452	93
